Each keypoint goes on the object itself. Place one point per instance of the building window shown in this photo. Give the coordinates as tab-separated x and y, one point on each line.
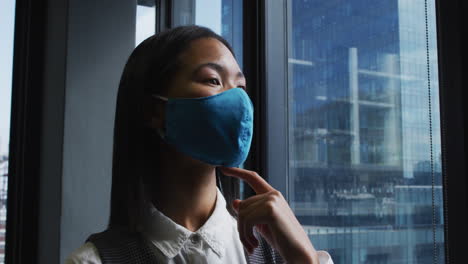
145	20
364	129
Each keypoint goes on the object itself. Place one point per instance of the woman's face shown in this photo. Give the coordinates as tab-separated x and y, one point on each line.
207	68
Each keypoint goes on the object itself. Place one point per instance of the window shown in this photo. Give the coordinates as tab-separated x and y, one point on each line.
222	16
145	20
364	173
7	21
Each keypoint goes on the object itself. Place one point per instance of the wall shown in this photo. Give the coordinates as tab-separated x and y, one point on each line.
88	43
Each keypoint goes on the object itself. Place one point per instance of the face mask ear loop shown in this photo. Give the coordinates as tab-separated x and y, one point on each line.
160	97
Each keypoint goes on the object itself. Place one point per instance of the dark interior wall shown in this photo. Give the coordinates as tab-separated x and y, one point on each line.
88	43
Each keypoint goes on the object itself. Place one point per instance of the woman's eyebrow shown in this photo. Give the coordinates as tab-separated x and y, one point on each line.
220	69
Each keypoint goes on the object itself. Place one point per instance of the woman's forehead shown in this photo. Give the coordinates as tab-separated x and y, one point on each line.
208	50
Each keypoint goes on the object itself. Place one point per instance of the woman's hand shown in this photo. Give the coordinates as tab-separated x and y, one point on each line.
269	212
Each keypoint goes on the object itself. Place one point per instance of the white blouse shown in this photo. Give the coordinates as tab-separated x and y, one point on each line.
217	241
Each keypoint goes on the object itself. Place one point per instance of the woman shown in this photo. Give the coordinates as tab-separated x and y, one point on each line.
183	124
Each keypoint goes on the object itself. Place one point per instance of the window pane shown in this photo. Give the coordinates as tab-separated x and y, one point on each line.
225	18
364	121
7	22
222	16
145	20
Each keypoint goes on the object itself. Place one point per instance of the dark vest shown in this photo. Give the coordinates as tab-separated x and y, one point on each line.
117	245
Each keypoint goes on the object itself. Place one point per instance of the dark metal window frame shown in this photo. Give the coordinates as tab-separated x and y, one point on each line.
264	41
451	27
163	15
21	241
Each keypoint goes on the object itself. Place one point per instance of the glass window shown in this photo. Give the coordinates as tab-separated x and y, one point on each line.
222	16
364	129
7	22
145	20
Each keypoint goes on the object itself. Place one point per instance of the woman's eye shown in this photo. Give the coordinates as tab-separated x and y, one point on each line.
213	81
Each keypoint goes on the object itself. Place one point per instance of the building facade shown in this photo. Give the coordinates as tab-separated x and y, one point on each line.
365	173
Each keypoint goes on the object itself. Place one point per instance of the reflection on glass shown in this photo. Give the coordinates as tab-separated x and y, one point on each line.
365	154
145	20
7	22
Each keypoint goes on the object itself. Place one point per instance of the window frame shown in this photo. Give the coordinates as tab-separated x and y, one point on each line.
264	38
21	237
163	15
452	65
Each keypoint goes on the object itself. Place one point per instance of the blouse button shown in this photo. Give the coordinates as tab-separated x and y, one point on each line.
195	238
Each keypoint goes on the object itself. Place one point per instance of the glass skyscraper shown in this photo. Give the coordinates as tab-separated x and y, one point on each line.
365	156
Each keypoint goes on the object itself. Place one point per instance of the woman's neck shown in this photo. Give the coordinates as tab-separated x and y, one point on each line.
184	189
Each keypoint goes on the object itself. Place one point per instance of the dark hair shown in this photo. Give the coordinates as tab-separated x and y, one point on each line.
148	70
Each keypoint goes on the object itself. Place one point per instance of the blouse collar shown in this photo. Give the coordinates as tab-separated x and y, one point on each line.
169	237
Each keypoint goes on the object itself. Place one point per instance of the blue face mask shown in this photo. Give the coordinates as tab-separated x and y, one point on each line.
215	129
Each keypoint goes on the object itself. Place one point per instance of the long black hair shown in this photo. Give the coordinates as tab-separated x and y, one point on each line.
136	150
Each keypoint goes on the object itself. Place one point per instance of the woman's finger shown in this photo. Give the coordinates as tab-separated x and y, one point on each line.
247	202
252	211
249	223
242	235
255	216
258	184
255	201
